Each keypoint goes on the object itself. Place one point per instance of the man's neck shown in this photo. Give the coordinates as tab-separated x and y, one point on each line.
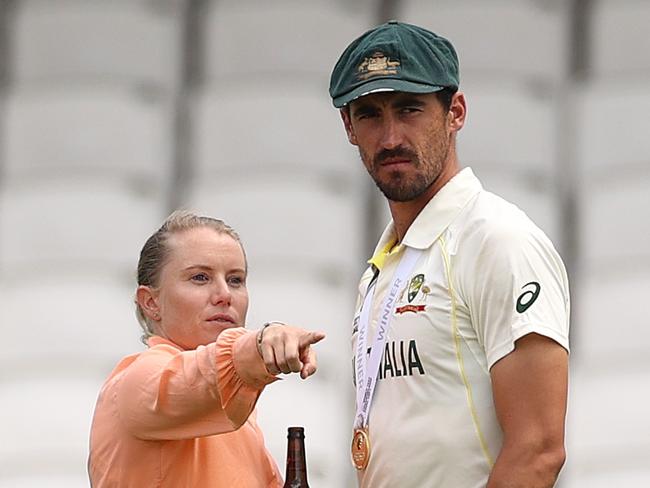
405	213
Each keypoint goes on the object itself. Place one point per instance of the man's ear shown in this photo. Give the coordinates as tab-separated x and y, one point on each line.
147	298
457	111
347	122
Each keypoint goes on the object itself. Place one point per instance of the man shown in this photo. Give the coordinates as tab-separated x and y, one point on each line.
460	336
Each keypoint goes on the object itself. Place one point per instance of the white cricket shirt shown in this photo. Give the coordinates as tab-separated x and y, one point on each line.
488	277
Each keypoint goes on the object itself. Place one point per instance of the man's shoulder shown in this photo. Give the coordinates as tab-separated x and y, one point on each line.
489	216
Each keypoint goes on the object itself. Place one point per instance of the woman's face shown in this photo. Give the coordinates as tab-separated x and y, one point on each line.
202	288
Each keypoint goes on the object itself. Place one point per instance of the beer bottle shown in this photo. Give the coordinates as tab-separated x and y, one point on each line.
296	475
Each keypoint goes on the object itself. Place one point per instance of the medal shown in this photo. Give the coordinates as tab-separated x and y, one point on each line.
360	449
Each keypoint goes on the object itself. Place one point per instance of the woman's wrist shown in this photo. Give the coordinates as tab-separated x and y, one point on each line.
260	334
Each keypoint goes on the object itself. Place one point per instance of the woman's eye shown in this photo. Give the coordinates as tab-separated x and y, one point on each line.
236	281
201	277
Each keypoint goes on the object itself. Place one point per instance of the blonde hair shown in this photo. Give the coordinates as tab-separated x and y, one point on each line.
156	249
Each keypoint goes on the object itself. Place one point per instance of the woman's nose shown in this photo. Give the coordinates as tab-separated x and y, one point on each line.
221	293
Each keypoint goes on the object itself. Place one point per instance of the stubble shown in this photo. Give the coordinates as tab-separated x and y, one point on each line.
402	186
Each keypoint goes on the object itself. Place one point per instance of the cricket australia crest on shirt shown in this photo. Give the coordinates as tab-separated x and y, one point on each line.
412	292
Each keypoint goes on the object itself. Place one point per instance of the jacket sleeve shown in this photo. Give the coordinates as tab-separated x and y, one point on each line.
167	393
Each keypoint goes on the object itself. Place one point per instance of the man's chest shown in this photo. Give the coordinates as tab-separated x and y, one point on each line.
423	321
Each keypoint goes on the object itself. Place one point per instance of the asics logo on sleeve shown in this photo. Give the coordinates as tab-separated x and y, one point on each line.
527	298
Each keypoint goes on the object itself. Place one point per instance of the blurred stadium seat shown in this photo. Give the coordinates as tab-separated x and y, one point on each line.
615	333
71	224
613	151
620	39
607	434
46	418
286	39
509	127
68	319
634	476
93	132
523	39
250	128
616	222
95	41
612	130
49	480
282	227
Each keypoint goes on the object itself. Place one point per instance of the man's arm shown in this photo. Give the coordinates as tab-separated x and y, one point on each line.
530	396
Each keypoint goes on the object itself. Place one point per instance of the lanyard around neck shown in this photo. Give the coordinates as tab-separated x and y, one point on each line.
367	370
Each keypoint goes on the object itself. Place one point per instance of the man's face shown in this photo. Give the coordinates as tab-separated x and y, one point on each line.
403	139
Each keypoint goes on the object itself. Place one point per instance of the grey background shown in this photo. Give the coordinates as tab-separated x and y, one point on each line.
112	113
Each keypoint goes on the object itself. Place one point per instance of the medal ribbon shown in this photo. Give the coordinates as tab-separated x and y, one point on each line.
367	371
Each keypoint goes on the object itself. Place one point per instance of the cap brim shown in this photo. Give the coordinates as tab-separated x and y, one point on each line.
382	85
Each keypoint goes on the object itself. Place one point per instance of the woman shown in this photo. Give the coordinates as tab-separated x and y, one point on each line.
181	413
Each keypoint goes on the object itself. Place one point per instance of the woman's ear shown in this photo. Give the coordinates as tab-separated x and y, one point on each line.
147	298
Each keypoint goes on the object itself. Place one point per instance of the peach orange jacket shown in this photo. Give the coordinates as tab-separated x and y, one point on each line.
170	418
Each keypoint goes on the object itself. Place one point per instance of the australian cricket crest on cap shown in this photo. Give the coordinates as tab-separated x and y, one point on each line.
378	64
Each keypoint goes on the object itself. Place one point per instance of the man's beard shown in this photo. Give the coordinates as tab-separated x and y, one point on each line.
399	187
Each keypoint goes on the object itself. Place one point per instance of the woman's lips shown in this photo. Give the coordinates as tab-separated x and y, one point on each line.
221	317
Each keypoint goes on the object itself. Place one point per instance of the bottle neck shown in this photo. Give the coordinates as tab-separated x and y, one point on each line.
296	473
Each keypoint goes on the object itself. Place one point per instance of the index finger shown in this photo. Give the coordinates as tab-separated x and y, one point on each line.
310	338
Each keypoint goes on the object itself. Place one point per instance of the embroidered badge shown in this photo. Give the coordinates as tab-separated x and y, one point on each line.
410	308
414	286
377	65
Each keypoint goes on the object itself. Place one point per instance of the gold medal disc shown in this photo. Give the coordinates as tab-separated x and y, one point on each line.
360	448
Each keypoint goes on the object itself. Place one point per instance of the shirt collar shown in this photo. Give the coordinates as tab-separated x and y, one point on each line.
379	257
436	216
155	340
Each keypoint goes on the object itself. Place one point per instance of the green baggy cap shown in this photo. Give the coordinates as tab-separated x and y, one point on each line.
394	56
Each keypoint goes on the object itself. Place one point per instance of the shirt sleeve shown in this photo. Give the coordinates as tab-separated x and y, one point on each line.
167	393
514	283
